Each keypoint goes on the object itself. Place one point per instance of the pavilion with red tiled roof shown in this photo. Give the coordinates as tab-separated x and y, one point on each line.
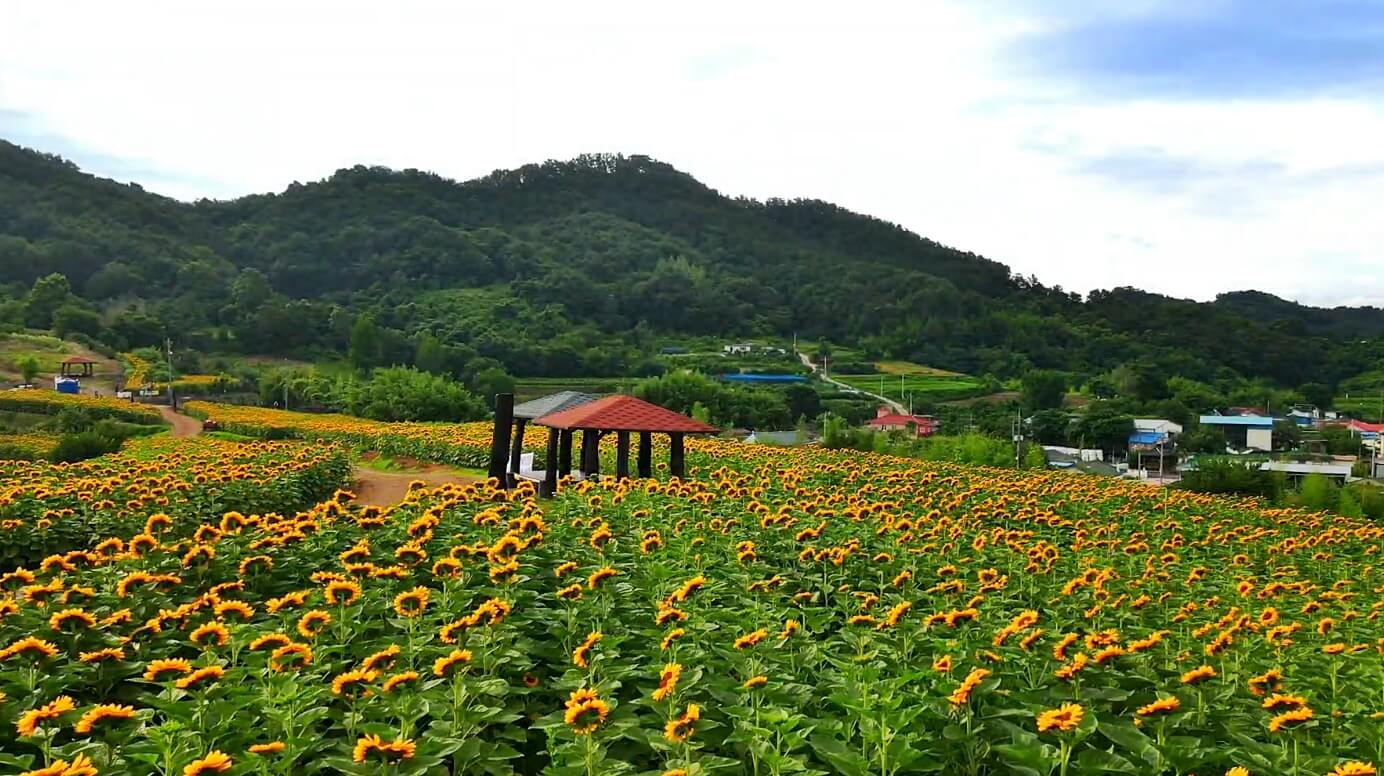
76	363
622	416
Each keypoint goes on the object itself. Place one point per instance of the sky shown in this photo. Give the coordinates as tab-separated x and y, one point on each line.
1189	148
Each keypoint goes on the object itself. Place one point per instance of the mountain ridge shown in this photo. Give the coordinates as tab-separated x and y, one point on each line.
608	242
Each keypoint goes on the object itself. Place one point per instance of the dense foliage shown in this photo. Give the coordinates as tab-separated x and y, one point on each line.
577	268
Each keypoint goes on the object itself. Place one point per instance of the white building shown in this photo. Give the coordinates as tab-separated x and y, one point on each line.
1157	426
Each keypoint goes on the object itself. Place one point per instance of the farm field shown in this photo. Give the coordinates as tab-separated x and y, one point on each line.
526	388
920	386
910	368
781	611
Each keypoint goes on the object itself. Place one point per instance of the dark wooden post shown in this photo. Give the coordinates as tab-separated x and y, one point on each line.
646	454
549	487
622	455
591	455
499	442
564	456
518	448
677	465
584	456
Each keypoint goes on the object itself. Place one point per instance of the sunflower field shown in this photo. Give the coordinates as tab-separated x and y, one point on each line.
780	612
41	401
49	508
458	444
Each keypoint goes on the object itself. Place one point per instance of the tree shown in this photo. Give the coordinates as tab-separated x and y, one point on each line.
1202	439
1050	426
803	401
1317	394
1317	493
431	355
700	412
28	368
1106	427
404	393
367	348
72	319
1044	389
48	294
491	382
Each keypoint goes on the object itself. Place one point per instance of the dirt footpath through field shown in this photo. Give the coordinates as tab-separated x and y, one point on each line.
383	489
183	426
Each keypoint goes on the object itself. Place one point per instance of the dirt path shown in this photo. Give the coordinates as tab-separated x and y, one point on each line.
817	370
383	489
183	426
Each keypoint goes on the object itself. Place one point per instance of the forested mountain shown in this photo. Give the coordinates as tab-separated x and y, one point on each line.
579	267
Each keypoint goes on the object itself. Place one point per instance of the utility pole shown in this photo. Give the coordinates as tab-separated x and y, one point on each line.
168	352
1017	429
286	379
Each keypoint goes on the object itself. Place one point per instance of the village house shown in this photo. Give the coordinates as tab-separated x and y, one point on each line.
888	420
1243	432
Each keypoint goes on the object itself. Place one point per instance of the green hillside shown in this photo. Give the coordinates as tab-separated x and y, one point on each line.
582	269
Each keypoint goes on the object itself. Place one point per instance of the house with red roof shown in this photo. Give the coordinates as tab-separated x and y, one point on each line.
888	420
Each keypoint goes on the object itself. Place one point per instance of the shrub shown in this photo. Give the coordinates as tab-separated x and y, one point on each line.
83	445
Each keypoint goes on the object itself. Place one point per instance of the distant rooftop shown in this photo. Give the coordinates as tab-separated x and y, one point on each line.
1236	420
624	413
546	405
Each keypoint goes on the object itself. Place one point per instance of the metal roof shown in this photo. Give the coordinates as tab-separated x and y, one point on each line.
1307	467
1236	420
624	413
1147	438
547	405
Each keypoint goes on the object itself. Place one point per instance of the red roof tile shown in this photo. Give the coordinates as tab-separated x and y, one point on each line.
896	419
624	413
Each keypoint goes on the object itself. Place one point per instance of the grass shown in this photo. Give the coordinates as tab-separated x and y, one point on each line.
227	436
50	352
534	387
22	421
390	465
909	368
921	387
1366	409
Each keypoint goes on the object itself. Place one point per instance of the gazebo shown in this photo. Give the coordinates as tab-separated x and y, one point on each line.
537	408
622	416
77	366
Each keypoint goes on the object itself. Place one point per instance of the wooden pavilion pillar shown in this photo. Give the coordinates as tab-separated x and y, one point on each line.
589	441
518	448
593	467
677	464
499	440
622	455
549	486
646	453
564	456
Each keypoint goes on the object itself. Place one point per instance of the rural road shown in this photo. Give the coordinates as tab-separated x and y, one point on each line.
816	370
183	426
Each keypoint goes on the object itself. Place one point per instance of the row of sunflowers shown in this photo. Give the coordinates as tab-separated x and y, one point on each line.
781	611
41	401
47	508
26	447
458	444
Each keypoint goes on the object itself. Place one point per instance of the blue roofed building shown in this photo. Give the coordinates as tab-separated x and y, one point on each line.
1244	432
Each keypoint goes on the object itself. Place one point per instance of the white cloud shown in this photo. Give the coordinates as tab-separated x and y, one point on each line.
910	112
